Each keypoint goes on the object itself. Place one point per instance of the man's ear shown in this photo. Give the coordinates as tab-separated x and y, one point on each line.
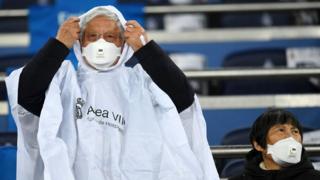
257	146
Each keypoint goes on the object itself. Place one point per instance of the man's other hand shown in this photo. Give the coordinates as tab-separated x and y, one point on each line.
135	35
69	31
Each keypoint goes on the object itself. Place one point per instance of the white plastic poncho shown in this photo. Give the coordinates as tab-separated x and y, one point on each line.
113	125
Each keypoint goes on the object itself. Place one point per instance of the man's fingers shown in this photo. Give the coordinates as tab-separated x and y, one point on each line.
135	35
134	30
134	26
74	19
133	23
72	22
72	25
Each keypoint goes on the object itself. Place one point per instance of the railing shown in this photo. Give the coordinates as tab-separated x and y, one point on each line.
14	40
260	101
14	13
237	34
239	151
253	73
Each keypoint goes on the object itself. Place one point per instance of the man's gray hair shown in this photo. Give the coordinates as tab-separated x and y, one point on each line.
100	12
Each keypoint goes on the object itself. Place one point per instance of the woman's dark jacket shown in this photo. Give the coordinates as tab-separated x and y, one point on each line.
301	171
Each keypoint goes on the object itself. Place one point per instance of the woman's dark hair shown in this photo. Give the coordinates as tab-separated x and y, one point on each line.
266	120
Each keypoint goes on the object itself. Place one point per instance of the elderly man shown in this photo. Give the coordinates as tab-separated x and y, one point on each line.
111	118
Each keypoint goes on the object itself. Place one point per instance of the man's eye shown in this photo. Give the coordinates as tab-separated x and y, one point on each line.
109	37
93	35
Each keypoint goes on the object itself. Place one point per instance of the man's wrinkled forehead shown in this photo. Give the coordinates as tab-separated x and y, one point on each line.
101	22
104	14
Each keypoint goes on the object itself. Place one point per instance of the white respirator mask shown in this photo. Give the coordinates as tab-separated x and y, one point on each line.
101	54
285	152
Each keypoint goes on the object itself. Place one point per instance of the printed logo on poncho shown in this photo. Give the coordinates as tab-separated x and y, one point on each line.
79	105
106	117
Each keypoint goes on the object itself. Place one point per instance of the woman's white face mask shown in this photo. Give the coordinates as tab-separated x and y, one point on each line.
101	54
285	152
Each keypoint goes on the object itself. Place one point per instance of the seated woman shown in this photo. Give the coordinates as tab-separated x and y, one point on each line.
277	154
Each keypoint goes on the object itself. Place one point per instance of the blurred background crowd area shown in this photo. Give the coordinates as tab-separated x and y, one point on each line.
198	34
241	56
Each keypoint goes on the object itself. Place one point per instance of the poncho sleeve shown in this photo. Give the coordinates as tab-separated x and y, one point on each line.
29	163
171	80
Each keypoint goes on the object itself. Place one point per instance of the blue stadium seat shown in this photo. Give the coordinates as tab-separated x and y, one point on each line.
263	58
233	168
237	137
256	58
8	138
8	157
257	19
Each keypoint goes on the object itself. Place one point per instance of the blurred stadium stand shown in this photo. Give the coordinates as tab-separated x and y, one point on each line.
249	37
8	162
263	58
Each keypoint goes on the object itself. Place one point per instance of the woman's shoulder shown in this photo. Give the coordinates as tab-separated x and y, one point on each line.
312	174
